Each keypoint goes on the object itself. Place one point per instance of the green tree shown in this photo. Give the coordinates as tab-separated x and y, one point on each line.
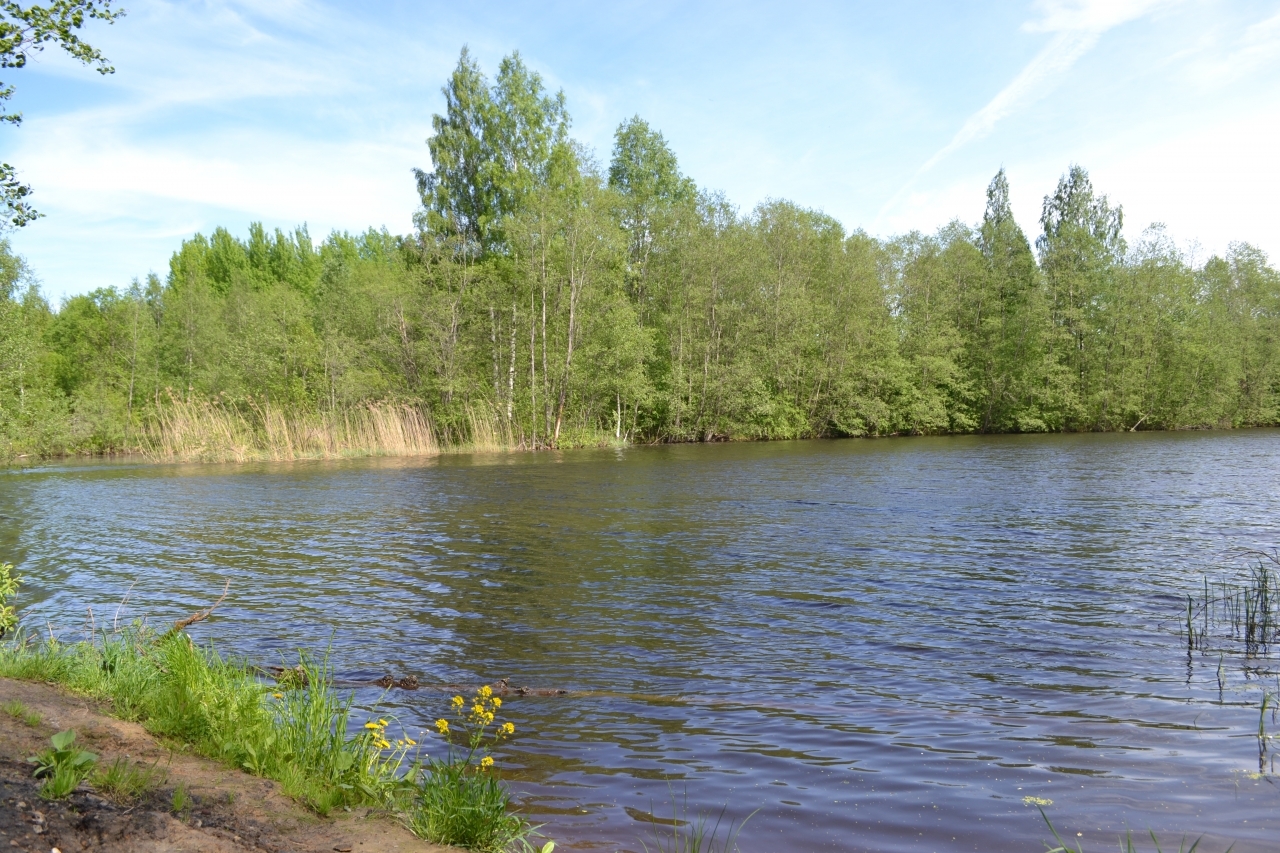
1080	251
491	148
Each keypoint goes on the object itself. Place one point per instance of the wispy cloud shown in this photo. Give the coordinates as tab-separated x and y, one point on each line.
1076	26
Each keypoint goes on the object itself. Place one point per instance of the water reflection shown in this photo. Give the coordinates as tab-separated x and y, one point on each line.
883	645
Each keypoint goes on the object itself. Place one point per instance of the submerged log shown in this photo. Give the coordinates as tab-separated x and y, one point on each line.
296	676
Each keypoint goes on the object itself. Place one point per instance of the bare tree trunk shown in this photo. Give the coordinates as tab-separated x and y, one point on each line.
533	371
546	382
511	370
493	348
133	368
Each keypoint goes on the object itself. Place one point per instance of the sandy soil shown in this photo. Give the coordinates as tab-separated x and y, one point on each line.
231	811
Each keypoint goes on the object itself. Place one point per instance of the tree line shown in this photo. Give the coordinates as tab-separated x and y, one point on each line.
563	302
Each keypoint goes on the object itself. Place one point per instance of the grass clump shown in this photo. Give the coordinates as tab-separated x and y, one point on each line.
62	766
19	711
459	801
126	781
181	801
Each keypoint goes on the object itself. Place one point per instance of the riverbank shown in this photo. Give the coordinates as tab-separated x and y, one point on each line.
299	441
224	810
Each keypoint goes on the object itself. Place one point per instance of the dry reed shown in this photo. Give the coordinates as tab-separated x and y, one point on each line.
205	431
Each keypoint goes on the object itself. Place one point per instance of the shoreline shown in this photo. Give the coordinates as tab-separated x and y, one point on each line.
230	811
139	456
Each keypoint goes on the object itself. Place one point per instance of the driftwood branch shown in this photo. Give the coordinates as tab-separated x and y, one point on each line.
201	615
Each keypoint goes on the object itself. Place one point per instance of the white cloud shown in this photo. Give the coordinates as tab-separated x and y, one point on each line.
1094	16
1077	25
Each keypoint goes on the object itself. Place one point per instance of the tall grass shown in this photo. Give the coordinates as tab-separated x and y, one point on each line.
205	431
202	430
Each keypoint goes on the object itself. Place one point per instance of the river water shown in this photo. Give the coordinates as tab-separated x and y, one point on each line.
871	645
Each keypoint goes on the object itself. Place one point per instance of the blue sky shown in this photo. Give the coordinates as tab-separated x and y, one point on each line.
890	116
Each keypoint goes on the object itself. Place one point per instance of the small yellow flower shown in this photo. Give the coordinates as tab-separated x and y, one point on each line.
278	695
457	702
497	703
442	726
485	692
486	762
382	723
508	728
372	726
410	741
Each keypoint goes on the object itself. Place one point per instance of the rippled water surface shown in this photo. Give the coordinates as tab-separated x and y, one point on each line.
878	645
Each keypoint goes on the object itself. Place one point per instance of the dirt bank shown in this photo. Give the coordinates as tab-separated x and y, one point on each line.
230	811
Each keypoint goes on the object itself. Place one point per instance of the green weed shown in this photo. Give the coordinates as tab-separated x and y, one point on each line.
181	801
19	711
63	767
459	801
8	588
125	781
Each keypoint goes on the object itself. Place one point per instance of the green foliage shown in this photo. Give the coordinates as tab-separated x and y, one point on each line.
459	800
19	711
62	766
297	731
125	781
457	806
490	150
180	802
8	588
27	30
547	300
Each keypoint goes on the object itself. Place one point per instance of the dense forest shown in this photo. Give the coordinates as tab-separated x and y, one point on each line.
546	300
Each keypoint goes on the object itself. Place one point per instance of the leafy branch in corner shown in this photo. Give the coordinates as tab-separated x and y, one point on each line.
28	30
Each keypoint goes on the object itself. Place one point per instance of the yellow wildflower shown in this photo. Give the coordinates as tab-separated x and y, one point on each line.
486	762
372	726
410	741
278	695
497	703
457	702
508	728
382	723
442	726
485	692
